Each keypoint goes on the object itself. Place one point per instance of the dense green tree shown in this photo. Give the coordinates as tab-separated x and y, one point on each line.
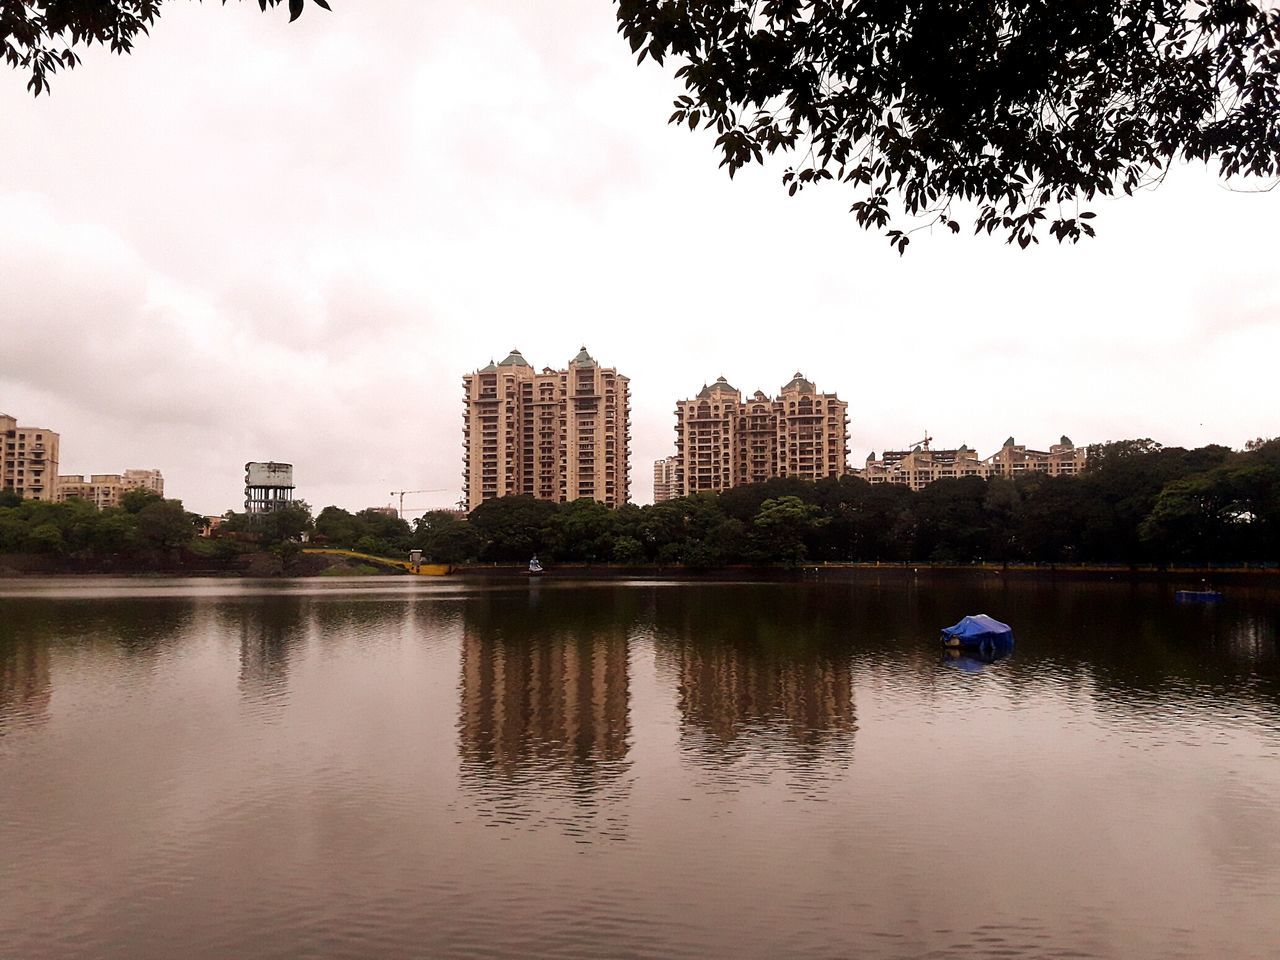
336	526
783	527
582	529
1227	513
136	499
444	538
1024	111
9	497
283	523
511	528
950	522
165	525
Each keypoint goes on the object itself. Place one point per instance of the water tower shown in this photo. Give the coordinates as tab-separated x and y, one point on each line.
267	486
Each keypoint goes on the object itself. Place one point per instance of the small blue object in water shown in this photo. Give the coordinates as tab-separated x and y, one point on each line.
986	635
1197	596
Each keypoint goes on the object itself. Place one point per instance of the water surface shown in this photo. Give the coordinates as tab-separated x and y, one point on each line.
399	768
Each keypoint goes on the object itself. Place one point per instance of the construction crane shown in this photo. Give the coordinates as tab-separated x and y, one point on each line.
401	493
921	443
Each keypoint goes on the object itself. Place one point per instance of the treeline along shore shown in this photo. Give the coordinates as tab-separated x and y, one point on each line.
1137	506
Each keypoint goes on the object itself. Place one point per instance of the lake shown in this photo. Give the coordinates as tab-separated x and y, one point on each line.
401	767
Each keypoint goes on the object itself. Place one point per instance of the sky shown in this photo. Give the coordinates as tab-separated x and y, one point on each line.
255	240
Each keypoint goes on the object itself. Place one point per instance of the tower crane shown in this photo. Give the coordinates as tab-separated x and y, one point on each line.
401	493
921	443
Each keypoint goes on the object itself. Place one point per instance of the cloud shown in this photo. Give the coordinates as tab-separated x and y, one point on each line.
257	240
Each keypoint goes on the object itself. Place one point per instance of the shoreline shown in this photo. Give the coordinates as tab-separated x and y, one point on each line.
1252	573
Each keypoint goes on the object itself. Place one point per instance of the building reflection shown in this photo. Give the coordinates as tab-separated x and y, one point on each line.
753	672
544	725
269	629
25	684
730	690
559	697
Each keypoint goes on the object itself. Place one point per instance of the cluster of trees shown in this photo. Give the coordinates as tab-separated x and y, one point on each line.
143	523
1137	502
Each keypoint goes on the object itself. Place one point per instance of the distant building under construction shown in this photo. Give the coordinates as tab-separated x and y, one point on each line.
556	435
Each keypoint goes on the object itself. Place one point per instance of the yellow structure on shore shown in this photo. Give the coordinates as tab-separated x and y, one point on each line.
418	569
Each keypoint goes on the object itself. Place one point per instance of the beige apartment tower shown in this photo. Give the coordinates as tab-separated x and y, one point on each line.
28	460
556	435
723	441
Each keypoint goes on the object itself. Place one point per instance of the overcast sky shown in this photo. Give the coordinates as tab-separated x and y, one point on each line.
252	240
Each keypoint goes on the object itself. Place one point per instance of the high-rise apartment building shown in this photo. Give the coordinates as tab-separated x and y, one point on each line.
28	460
556	435
105	490
664	479
723	441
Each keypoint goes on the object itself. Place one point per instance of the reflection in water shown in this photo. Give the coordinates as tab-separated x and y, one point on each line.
25	688
728	691
268	630
543	705
398	768
745	673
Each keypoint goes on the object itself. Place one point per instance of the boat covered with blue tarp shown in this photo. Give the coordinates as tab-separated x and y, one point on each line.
979	632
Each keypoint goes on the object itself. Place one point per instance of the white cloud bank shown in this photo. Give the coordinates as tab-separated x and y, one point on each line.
253	240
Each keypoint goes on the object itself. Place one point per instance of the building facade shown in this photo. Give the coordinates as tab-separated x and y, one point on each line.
723	441
1062	459
556	435
921	466
28	460
664	479
105	490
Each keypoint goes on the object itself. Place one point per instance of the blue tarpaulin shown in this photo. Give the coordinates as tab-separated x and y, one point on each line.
980	632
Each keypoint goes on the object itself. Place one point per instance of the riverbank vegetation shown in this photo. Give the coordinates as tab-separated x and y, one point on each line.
1136	502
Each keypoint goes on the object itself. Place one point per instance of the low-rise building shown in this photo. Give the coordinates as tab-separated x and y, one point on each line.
28	460
1063	458
105	490
920	466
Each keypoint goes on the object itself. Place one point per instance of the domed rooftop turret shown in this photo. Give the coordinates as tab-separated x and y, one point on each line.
720	386
514	359
584	359
1009	442
1066	441
798	382
491	368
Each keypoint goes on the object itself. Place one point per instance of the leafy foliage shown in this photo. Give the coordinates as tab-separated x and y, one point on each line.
1023	108
1137	502
43	36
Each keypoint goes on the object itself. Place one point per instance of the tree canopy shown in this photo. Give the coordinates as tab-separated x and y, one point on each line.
1011	113
43	36
1020	109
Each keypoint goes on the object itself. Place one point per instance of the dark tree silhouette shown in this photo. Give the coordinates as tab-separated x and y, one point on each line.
1022	108
42	36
